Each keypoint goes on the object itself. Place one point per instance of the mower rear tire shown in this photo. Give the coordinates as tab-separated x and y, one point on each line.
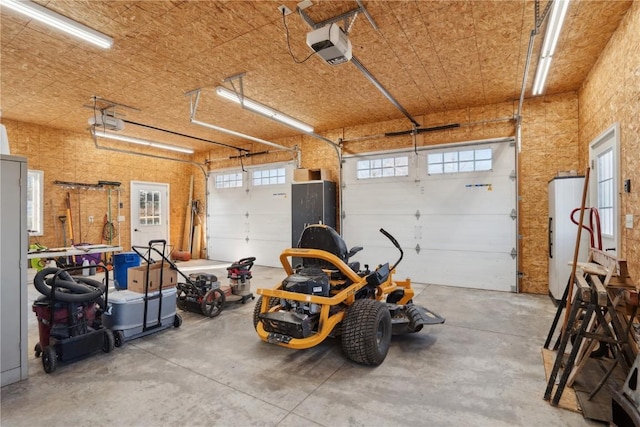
109	341
177	321
49	359
256	310
212	302
366	332
38	350
118	337
181	298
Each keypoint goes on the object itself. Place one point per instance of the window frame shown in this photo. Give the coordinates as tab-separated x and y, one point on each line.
450	161
279	173
382	167
35	202
220	179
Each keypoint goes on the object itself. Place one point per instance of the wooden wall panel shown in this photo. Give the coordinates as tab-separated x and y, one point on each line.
610	94
72	157
549	145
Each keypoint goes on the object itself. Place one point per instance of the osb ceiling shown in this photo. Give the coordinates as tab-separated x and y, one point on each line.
431	56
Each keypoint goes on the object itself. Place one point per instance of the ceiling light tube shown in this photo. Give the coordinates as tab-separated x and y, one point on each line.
60	22
263	110
109	135
240	135
551	37
541	75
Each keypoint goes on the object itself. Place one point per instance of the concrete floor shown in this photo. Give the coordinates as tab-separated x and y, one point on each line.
483	367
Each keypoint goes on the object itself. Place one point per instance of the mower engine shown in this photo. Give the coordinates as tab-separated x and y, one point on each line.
298	319
309	281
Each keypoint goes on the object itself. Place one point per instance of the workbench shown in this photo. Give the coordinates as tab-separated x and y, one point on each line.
72	251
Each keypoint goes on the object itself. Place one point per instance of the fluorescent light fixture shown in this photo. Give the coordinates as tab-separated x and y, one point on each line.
554	25
110	135
263	110
60	22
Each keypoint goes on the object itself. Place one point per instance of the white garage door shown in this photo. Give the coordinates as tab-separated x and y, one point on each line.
249	213
451	208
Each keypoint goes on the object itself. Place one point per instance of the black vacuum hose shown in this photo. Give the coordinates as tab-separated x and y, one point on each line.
70	289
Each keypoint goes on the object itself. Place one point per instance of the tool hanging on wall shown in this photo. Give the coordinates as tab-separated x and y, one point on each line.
70	219
108	229
63	221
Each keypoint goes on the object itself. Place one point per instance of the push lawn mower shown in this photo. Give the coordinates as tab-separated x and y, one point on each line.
203	292
327	295
68	314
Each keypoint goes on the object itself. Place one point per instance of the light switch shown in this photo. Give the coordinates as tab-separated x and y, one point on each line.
628	221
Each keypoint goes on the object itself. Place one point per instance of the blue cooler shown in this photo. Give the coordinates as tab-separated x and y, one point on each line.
121	263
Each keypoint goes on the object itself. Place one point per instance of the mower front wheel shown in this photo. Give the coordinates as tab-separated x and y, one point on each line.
181	298
49	359
366	332
212	302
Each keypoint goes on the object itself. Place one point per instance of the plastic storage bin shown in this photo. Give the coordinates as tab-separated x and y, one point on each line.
121	263
126	312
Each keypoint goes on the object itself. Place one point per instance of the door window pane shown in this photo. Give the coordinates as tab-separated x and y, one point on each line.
150	208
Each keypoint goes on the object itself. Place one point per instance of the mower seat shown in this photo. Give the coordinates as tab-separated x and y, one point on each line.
325	238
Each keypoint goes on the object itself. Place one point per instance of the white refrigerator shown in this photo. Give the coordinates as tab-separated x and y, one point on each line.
565	195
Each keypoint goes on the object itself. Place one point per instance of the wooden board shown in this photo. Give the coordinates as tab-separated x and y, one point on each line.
568	400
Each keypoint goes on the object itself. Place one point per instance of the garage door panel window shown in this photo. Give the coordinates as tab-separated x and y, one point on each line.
269	177
461	161
383	167
229	180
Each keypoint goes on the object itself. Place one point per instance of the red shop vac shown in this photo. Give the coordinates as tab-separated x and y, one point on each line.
69	317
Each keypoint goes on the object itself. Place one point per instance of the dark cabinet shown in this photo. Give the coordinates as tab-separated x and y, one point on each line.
312	202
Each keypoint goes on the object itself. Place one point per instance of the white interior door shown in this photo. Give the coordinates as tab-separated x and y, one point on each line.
604	157
149	213
249	213
456	224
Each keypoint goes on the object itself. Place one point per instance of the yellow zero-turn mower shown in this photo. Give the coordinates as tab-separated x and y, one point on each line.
326	295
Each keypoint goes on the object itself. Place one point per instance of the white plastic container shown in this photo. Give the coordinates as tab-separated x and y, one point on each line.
125	312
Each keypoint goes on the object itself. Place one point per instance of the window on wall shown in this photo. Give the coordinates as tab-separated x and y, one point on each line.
150	208
460	161
229	180
35	208
383	167
606	192
269	176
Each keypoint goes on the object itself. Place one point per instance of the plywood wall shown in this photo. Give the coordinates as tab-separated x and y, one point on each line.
549	146
610	94
72	157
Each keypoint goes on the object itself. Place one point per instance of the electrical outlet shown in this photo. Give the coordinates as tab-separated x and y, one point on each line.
90	219
120	218
628	221
284	10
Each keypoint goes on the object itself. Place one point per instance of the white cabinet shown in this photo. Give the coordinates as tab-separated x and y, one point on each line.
565	195
13	268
